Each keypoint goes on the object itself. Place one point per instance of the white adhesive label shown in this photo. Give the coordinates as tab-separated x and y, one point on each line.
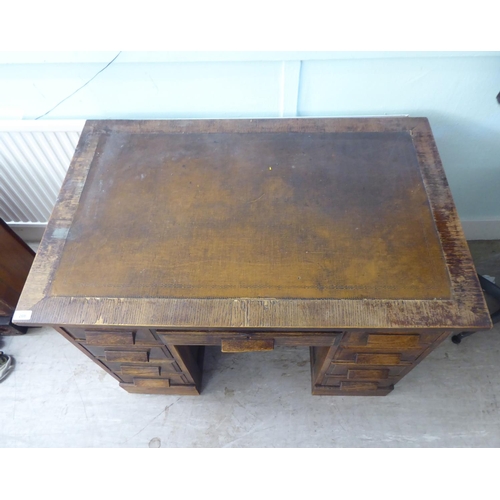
22	316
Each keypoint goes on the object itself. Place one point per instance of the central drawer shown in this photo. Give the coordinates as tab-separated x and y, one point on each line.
245	341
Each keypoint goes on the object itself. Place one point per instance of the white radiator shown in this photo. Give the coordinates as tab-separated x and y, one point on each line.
34	158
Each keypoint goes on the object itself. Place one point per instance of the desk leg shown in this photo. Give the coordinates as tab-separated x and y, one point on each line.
8	328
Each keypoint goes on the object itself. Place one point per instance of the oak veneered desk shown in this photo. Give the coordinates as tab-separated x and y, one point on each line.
337	234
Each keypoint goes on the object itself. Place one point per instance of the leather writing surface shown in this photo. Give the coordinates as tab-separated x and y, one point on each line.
282	215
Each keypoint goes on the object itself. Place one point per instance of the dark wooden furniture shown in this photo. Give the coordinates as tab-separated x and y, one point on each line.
16	258
337	234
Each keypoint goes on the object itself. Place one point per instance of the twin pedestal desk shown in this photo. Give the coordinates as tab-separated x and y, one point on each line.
336	234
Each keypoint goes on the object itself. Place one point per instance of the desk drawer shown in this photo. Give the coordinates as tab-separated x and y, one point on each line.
368	359
127	370
126	356
380	356
130	355
364	372
366	348
112	336
140	354
109	338
337	374
389	341
139	362
263	340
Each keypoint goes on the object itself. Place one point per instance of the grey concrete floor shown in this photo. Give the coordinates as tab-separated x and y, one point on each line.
57	397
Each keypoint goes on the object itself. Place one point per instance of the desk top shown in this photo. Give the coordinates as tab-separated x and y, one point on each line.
294	223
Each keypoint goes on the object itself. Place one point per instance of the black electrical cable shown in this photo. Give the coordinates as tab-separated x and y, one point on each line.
77	90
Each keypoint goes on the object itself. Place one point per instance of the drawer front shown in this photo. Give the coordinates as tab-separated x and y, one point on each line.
383	349
113	336
152	383
126	356
249	341
150	363
369	361
133	361
140	371
398	342
392	341
151	370
139	360
364	372
381	357
140	354
393	359
359	386
109	338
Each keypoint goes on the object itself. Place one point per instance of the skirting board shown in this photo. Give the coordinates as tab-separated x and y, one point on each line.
29	233
484	229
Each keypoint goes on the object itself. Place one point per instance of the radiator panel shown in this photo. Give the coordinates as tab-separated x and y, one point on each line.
33	163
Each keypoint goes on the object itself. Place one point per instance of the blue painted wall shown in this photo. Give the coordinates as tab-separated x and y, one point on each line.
456	91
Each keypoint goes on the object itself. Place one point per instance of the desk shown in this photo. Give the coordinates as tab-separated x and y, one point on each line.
336	234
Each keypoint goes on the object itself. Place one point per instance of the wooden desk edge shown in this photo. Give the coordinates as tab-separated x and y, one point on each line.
467	311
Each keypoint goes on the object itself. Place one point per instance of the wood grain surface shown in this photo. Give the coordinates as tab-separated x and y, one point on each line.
336	215
282	224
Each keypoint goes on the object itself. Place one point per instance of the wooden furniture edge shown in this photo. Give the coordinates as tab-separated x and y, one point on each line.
460	314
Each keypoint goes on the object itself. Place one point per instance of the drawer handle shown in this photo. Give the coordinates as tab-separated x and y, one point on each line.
247	345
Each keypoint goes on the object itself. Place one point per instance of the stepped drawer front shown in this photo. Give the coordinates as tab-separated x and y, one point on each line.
364	356
109	338
388	342
352	371
112	337
126	356
247	345
359	386
140	371
393	341
377	359
367	374
152	383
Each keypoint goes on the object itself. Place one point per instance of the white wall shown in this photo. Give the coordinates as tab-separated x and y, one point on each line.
456	91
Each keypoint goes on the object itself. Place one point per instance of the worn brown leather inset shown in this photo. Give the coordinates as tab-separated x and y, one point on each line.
283	215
